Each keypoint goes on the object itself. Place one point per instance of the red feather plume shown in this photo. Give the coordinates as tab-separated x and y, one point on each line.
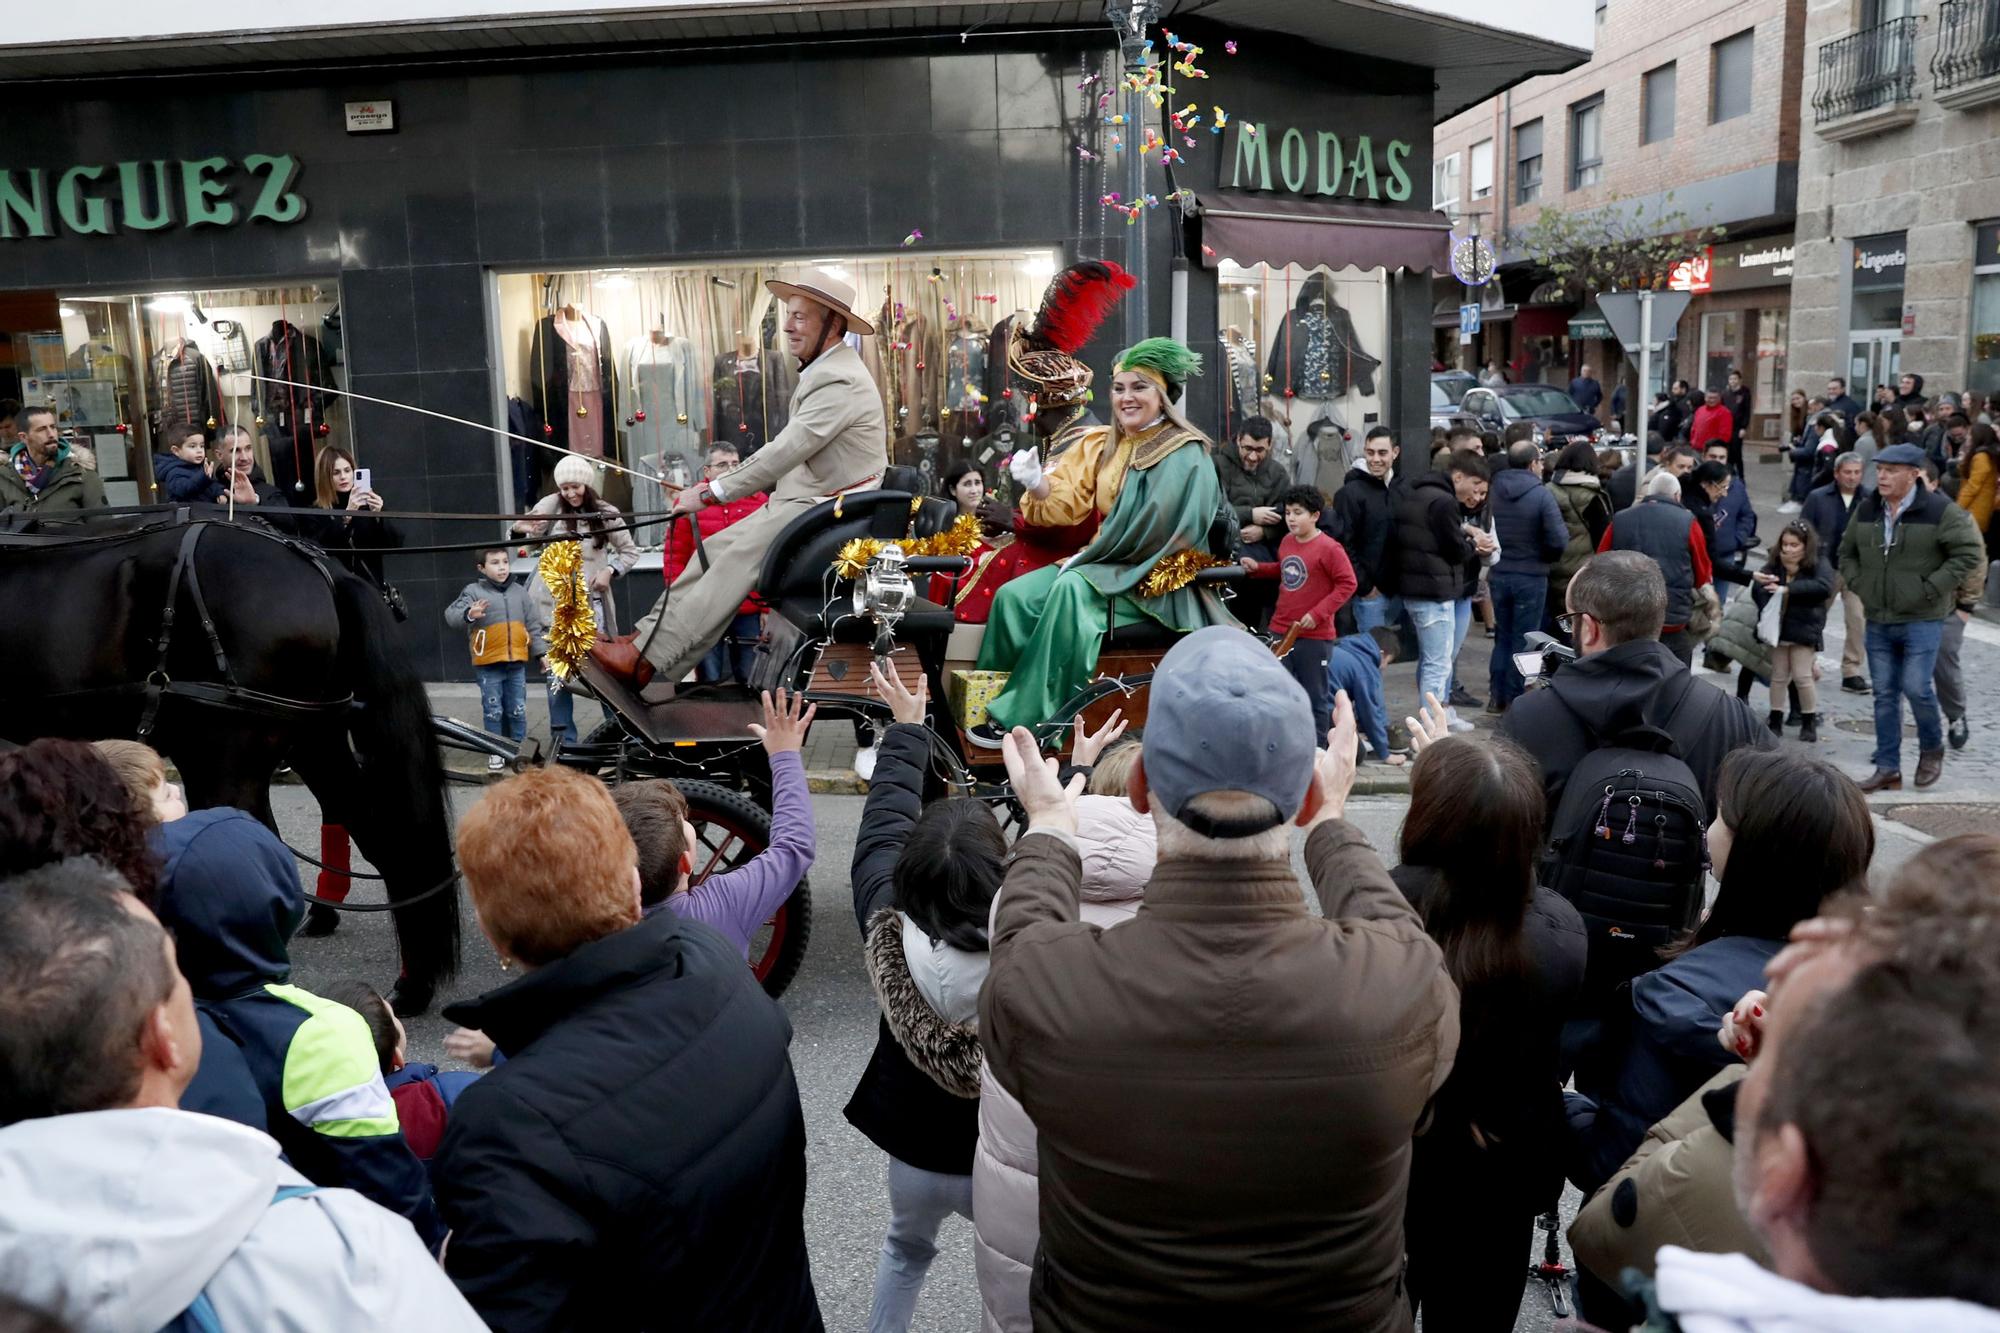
1079	299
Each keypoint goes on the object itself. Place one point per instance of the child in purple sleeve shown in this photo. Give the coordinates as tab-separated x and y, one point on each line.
735	902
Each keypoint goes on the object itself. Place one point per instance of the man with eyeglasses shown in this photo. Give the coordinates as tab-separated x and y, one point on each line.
1624	677
1905	553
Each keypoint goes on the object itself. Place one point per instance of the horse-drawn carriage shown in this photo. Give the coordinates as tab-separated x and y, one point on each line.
823	630
236	649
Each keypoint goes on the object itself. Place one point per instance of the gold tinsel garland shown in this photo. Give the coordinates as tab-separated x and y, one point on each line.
961	538
573	627
1176	571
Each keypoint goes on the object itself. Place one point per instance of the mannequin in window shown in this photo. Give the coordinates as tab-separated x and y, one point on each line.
574	389
293	402
666	418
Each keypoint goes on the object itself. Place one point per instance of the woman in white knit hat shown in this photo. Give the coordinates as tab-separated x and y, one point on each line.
576	510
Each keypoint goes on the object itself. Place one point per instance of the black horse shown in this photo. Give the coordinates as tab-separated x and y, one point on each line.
234	649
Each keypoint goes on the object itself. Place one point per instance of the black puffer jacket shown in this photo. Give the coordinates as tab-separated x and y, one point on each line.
639	1160
1364	522
902	1104
1613	691
1803	620
1431	548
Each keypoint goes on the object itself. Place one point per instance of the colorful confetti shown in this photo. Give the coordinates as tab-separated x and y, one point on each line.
913	238
1229	48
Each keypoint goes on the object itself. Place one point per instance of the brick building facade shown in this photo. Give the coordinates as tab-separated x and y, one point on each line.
1898	264
1688	106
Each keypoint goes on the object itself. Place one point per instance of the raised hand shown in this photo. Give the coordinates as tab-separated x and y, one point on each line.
470	1046
903	705
785	722
1049	804
1088	745
1432	725
1333	774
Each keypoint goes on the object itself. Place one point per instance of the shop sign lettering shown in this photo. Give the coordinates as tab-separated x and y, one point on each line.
1880	256
1693	274
148	195
1316	162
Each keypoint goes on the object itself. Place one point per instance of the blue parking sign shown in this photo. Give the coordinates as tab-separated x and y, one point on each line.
1468	317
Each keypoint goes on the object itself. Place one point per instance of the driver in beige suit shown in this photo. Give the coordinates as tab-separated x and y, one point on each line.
835	441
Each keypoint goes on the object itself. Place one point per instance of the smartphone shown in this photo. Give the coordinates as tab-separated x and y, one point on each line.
364	479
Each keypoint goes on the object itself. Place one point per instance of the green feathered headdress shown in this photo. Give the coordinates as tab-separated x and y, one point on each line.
1171	360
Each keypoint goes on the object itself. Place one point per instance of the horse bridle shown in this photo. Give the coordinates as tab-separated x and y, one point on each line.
231	693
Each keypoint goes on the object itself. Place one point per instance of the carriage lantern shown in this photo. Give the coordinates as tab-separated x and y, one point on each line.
883	593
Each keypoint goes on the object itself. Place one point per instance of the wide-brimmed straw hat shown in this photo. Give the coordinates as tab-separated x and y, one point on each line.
816	284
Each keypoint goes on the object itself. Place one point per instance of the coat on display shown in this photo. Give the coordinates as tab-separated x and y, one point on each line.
294	410
1315	353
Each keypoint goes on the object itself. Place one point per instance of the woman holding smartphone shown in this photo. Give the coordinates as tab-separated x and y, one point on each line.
353	534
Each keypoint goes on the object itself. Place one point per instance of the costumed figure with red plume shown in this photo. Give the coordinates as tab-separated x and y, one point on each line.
1057	520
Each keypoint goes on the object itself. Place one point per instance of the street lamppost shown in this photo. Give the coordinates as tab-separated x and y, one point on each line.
1131	19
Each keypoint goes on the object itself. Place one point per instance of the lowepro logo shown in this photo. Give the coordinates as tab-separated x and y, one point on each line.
1876	261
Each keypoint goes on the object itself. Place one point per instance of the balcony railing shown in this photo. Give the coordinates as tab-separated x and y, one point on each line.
1968	48
1867	70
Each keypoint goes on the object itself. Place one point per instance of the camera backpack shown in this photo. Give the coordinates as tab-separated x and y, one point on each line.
1628	847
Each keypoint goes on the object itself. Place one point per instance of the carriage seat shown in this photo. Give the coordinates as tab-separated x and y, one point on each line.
797	580
1144	634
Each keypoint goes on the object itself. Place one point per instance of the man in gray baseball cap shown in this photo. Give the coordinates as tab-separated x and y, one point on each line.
1226	1085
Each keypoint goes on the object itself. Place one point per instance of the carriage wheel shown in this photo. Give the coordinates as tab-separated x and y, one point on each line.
729	830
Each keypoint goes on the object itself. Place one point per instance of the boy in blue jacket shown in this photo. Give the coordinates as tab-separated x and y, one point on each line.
181	474
229	892
1355	665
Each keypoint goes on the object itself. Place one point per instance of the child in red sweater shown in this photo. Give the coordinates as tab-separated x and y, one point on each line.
1315	580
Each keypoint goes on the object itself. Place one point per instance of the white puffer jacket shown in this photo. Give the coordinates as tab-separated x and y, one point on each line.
1118	852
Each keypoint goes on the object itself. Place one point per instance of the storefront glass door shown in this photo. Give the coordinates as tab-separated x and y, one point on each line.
1872	359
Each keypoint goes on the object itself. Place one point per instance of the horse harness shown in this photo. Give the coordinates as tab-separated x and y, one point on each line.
158	685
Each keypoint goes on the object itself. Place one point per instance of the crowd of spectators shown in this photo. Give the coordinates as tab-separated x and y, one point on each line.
1172	1081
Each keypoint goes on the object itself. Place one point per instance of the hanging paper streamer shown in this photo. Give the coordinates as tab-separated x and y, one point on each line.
573	626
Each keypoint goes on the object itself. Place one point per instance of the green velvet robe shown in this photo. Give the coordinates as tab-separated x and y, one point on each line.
1046	627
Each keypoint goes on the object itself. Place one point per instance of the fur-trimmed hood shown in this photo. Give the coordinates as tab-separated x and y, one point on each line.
947	1053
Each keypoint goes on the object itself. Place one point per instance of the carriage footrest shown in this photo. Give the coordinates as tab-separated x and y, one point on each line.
706	715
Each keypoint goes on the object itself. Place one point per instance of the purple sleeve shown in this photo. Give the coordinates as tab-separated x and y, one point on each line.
738	901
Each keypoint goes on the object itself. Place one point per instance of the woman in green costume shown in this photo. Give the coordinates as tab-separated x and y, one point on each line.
1046	627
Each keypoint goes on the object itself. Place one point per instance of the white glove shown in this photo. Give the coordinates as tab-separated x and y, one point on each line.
1025	468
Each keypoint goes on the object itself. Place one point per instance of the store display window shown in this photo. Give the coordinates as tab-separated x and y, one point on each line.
1769	394
1983	375
1721	348
1304	349
120	370
647	367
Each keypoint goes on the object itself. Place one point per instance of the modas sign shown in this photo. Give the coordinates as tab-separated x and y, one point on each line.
1316	162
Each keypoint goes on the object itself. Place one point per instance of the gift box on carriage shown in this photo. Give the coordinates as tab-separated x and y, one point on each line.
968	692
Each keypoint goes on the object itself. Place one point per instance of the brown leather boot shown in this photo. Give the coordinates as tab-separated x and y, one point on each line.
1882	780
621	661
1930	767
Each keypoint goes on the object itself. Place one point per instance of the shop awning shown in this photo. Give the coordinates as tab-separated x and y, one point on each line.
1590	324
1279	231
